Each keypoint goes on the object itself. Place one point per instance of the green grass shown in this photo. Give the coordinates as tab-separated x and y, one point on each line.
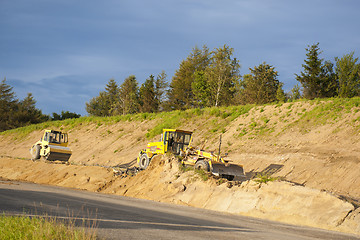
216	119
184	168
172	119
264	178
167	120
204	176
23	227
325	111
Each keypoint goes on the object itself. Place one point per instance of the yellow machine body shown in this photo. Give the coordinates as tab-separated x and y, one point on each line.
52	146
172	140
178	142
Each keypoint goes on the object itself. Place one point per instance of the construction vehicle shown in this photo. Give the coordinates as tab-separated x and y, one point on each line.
52	146
178	142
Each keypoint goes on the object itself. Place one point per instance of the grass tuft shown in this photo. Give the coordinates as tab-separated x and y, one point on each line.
264	178
202	174
24	227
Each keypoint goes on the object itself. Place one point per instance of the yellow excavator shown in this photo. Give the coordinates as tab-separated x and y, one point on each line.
178	142
52	146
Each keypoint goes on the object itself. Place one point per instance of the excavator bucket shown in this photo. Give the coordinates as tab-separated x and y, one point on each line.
227	169
58	153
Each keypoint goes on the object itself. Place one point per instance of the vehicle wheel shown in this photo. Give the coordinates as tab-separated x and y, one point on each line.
201	164
144	161
35	152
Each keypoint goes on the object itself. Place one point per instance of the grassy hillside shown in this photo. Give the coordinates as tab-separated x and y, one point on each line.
237	124
315	142
304	115
310	143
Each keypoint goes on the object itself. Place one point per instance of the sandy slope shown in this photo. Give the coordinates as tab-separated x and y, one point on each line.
163	181
277	141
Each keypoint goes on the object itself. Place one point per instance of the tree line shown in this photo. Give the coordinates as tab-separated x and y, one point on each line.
206	78
129	98
212	78
321	78
16	113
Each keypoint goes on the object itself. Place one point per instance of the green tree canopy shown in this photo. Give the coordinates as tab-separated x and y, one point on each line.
64	115
129	95
148	101
180	94
28	113
161	86
15	113
222	74
295	93
99	105
205	79
348	74
8	104
317	78
107	103
112	92
201	90
261	85
129	98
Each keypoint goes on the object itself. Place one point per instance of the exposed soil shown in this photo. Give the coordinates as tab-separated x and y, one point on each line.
319	165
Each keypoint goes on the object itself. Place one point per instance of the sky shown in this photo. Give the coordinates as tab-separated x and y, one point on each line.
64	52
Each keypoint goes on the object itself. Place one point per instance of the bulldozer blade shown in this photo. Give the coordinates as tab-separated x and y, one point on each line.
221	169
58	153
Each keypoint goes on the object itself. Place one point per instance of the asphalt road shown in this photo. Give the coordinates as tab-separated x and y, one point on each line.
119	217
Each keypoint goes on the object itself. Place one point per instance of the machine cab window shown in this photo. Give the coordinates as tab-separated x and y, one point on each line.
178	141
56	137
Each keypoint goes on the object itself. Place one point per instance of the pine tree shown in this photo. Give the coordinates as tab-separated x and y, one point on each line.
28	113
329	85
112	92
310	77
317	79
201	90
160	90
280	94
8	105
129	95
15	113
148	101
112	99
107	103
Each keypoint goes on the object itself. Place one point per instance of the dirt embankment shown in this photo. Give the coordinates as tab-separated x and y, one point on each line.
164	181
314	145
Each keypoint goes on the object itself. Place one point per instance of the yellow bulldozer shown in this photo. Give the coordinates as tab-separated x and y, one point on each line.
52	146
178	142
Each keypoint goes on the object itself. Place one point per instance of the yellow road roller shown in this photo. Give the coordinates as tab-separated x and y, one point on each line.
52	146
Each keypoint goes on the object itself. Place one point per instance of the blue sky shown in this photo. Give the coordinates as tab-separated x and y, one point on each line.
64	51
